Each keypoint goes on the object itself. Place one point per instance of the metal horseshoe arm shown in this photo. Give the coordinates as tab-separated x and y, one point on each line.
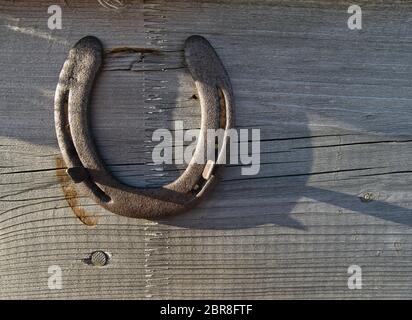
86	167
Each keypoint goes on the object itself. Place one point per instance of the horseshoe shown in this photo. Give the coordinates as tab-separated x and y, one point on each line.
85	166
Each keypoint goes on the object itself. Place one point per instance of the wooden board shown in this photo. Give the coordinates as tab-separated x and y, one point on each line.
334	109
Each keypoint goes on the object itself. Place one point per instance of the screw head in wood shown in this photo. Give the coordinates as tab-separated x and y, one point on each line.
99	258
367	197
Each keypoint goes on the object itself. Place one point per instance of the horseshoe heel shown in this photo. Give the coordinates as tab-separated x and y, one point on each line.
79	152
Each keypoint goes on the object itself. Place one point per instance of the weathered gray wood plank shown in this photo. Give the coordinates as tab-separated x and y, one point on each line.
334	109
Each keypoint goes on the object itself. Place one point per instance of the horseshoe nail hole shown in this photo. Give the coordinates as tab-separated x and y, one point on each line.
222	110
216	148
198	186
98	258
194	97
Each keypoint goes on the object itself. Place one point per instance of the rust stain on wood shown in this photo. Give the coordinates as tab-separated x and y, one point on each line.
71	195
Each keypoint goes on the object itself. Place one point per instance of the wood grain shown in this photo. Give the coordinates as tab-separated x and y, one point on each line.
333	106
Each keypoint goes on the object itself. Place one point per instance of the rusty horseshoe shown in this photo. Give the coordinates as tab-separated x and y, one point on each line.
85	166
